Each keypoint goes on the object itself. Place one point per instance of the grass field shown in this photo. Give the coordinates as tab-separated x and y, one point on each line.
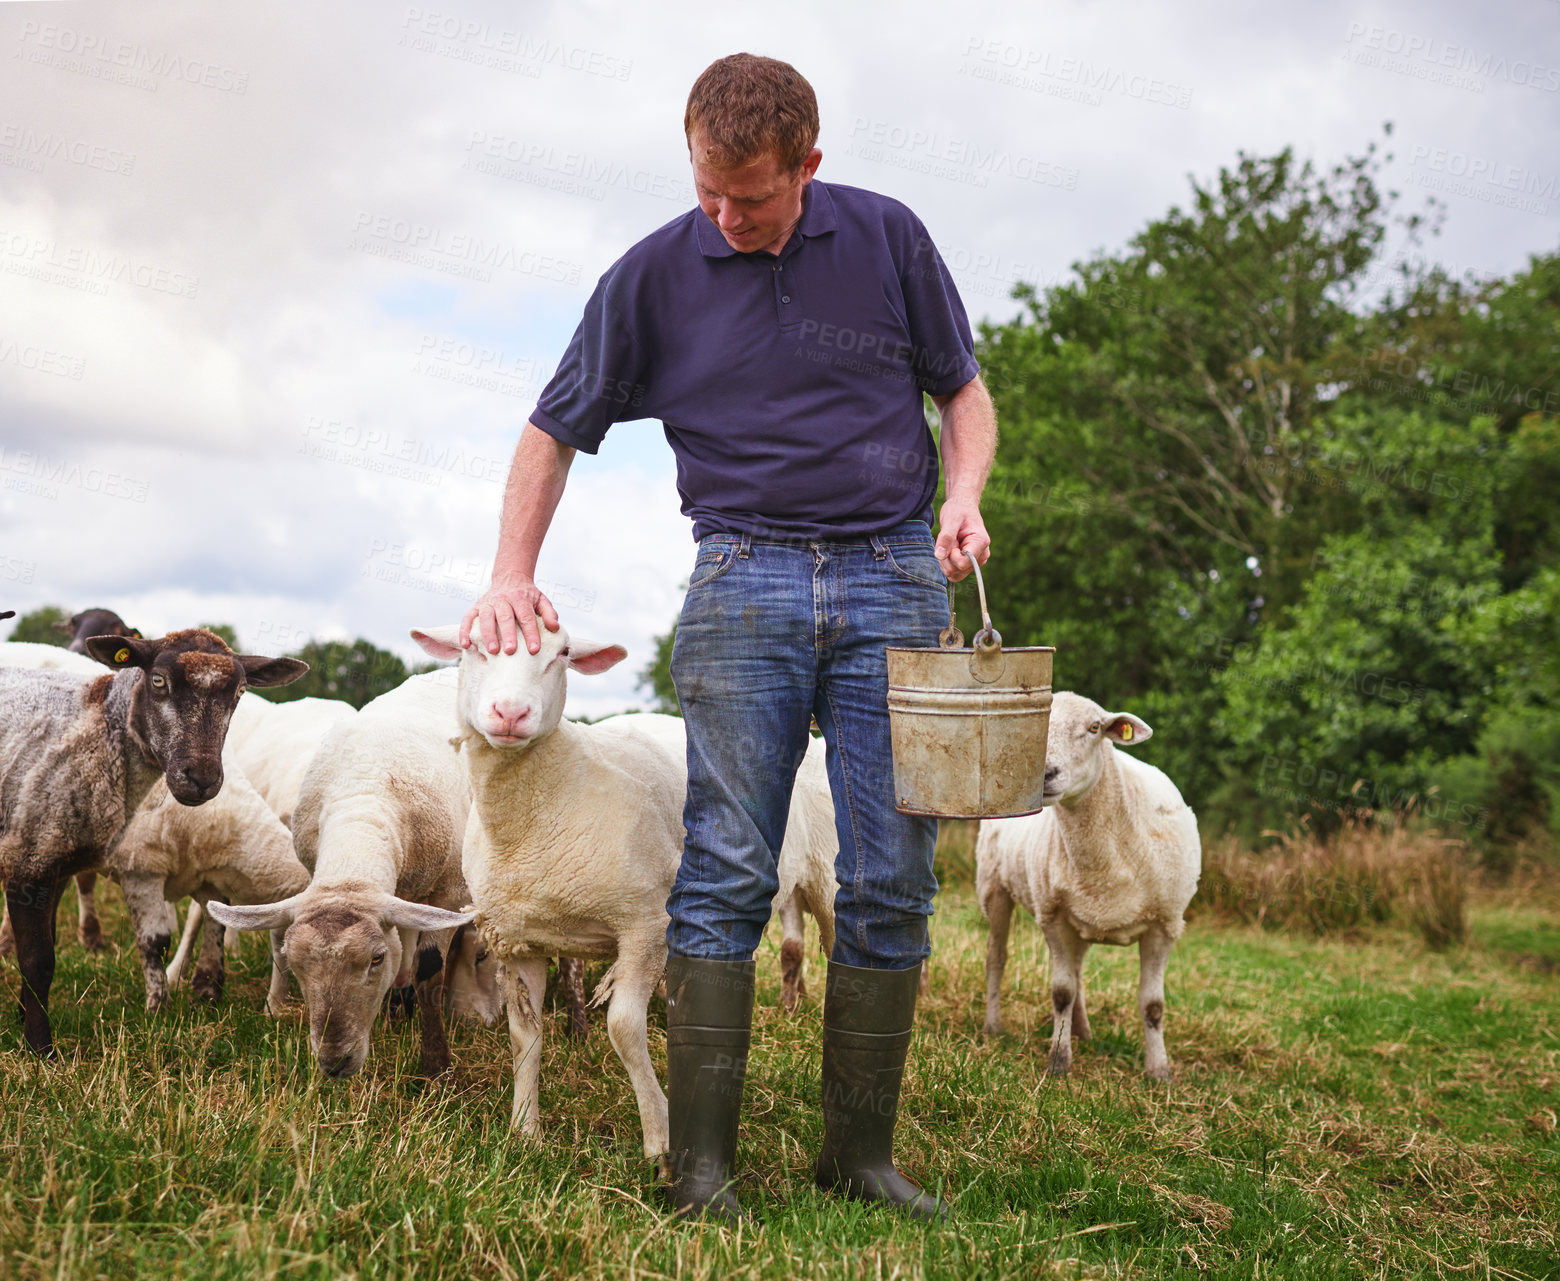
1343	1108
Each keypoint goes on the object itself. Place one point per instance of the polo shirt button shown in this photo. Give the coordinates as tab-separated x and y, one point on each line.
785	297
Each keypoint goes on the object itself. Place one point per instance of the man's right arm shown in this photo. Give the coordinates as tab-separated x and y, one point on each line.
536	479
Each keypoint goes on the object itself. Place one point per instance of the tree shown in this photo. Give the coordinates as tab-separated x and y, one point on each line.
354	672
657	675
38	626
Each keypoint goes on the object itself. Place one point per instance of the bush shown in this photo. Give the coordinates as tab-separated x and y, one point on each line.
1364	874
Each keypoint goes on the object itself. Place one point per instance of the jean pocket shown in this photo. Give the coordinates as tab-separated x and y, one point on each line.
917	565
713	561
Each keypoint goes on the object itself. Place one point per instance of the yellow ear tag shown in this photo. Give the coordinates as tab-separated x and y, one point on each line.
122	656
1126	731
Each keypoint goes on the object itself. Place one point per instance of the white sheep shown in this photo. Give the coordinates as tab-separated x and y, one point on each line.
1113	858
232	848
379	823
573	843
275	743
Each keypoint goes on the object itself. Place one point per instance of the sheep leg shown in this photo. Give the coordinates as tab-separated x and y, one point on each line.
211	967
525	984
276	997
793	953
626	1016
435	1054
88	928
571	977
192	923
149	918
1153	955
1080	1016
1067	950
32	906
998	907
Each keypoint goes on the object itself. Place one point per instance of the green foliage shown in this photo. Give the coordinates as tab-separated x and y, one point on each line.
1283	522
38	626
355	672
227	632
657	675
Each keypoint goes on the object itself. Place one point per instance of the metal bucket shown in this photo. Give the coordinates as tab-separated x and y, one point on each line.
969	725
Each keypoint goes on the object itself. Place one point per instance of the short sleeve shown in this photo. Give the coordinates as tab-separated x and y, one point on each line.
599	381
944	348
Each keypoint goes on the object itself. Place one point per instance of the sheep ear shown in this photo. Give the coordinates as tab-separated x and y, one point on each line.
1127	729
123	651
591	658
263	672
422	916
441	642
258	916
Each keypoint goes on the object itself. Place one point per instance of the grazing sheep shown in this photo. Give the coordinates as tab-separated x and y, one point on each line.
232	848
275	742
379	823
573	843
1113	858
79	754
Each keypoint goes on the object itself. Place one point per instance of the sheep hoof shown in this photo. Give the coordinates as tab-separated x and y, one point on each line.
993	1029
155	1001
1060	1065
207	986
91	936
1160	1072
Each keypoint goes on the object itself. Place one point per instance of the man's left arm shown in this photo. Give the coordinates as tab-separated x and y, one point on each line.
968	445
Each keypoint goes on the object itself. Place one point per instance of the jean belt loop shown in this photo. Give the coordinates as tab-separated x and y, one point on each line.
745	547
879	548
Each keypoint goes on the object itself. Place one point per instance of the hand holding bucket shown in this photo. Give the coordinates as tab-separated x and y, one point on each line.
969	725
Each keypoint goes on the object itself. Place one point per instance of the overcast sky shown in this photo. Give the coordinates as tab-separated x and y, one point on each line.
279	283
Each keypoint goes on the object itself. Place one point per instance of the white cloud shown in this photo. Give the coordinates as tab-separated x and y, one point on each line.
238	399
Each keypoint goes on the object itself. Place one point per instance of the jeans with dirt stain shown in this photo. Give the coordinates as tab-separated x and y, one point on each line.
772	634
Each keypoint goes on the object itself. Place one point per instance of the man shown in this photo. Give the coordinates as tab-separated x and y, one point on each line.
784	333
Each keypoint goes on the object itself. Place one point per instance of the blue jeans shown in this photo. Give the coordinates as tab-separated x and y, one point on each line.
772	634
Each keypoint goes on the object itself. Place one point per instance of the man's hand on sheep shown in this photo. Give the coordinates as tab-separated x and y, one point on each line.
503	610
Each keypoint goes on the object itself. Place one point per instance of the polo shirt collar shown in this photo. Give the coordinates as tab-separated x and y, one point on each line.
818	219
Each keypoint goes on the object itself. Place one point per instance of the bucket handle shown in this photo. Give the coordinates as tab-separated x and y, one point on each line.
986	663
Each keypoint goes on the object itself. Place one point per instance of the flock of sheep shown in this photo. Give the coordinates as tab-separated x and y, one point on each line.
446	841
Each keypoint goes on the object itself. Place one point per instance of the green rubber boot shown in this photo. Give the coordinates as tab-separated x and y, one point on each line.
709	1016
867	1018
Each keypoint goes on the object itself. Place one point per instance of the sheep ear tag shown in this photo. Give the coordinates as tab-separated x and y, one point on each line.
1126	731
123	656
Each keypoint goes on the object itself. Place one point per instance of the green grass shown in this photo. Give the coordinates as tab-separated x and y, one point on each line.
1343	1108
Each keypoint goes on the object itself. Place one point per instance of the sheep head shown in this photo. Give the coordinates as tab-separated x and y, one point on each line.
1081	735
344	946
190	683
513	700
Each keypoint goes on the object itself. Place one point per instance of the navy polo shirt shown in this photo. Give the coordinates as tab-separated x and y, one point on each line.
789	385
